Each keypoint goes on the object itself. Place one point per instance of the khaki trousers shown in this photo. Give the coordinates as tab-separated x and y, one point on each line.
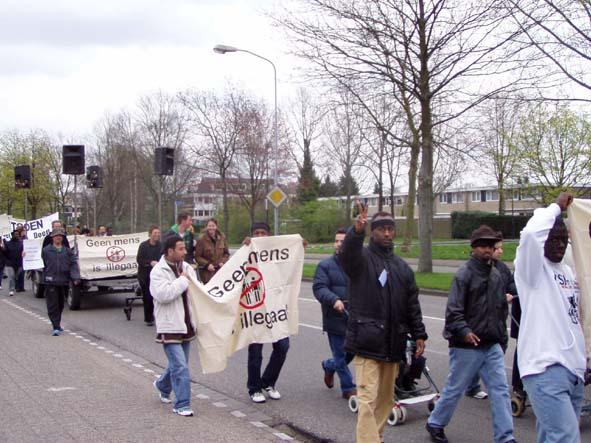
375	394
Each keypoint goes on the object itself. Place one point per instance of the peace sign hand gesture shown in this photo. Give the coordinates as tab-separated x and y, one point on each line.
361	220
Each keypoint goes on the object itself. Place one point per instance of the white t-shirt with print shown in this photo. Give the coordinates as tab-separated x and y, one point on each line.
550	331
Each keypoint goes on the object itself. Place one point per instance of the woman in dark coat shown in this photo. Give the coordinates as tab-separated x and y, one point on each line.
211	251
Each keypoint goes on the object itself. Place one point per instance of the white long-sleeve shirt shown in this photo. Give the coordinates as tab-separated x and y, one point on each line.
550	331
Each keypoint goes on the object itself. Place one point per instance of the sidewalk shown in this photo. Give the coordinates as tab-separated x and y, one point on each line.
73	389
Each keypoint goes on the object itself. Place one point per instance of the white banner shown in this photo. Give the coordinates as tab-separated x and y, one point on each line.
36	229
253	298
103	257
579	216
32	254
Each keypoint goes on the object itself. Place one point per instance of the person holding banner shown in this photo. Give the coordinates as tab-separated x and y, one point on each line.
383	309
60	269
56	224
13	251
551	345
211	251
148	255
175	322
259	386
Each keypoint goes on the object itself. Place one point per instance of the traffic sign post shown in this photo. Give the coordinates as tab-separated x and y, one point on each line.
276	196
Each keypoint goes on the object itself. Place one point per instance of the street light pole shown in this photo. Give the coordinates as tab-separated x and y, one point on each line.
223	49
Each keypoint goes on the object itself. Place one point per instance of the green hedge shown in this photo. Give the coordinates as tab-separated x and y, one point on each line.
463	223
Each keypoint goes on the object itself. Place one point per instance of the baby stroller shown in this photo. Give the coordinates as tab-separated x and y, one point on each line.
408	390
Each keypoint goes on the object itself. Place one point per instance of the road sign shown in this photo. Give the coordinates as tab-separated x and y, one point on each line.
276	196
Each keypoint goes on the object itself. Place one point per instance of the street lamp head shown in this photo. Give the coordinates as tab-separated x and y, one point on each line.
222	49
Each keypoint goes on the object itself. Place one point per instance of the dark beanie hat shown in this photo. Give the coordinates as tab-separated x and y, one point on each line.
484	236
259	225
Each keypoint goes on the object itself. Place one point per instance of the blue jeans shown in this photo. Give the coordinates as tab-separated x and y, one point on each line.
339	362
464	364
556	396
176	376
255	360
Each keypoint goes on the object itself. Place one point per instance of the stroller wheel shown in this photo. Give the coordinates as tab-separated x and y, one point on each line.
397	415
353	404
403	414
517	406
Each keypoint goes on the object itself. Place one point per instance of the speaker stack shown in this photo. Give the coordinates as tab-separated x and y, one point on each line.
73	159
164	161
22	177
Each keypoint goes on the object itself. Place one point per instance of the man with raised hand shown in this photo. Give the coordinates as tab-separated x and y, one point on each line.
551	345
383	309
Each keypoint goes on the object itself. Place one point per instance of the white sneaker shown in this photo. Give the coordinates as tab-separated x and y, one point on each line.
11	293
185	411
480	395
163	399
258	397
272	392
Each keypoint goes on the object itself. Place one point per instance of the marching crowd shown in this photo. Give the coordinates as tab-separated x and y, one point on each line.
370	311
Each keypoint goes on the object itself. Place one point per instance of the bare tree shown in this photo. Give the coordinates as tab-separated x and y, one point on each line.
216	119
559	31
307	114
162	121
251	163
427	52
344	141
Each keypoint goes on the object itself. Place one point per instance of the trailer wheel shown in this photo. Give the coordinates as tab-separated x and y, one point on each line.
74	297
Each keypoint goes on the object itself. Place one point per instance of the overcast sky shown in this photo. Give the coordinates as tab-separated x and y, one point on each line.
64	63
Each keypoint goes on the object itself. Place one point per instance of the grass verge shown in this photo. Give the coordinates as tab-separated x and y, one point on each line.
425	280
444	251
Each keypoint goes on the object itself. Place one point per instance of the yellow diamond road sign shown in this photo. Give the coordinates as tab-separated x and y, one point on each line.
276	196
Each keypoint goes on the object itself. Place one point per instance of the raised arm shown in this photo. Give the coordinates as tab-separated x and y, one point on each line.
351	251
530	252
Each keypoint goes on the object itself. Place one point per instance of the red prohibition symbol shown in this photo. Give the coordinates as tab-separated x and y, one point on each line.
253	292
115	253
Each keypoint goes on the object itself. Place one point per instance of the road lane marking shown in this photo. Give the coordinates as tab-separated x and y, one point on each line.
65	388
310	326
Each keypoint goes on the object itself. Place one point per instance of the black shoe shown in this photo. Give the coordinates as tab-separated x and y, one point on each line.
328	377
437	434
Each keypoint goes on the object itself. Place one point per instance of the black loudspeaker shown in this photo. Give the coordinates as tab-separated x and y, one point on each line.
73	159
94	177
164	161
22	177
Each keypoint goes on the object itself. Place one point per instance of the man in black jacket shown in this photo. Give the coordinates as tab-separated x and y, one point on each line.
148	255
475	326
330	289
56	224
60	269
383	309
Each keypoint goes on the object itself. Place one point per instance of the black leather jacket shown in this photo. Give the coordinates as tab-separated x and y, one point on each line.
476	303
380	316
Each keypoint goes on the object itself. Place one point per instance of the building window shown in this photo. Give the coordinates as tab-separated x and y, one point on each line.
475	196
492	195
442	198
458	197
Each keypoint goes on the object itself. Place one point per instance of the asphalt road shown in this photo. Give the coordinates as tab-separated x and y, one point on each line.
307	405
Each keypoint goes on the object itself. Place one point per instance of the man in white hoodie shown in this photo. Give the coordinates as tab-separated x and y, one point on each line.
175	323
551	348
